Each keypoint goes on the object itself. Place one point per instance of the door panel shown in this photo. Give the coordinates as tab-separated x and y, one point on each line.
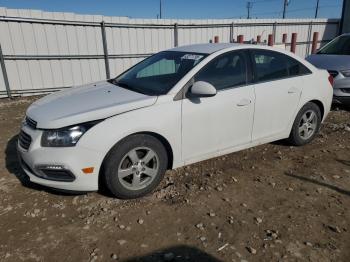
216	123
275	106
277	90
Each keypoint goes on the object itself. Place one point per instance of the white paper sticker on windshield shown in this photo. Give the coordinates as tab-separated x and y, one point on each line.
192	57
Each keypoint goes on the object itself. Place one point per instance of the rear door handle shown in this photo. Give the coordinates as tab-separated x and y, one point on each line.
244	102
293	90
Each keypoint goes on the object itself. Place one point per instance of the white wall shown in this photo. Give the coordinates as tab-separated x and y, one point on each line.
132	38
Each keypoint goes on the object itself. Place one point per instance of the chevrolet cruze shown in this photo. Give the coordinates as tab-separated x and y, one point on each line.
172	109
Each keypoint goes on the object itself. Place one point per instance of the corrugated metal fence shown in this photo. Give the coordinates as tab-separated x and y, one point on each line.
47	51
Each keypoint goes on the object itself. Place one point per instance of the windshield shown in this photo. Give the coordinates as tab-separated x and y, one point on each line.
157	74
339	46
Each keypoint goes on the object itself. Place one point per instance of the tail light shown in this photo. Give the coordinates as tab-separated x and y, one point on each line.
331	80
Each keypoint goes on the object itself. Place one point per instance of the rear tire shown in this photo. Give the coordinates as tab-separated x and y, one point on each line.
135	166
306	125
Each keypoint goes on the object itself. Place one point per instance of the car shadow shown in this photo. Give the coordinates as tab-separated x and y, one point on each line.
344	162
336	107
316	182
283	142
14	168
176	253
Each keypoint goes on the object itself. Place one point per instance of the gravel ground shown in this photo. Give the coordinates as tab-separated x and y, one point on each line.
270	203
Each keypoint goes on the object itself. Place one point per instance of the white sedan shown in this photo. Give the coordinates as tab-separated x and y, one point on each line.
174	108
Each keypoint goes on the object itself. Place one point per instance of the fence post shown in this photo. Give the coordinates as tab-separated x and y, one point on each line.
314	43
4	73
270	40
240	39
293	43
105	49
176	34
258	39
284	38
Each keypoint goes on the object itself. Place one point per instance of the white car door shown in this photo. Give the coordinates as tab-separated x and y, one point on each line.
278	90
213	124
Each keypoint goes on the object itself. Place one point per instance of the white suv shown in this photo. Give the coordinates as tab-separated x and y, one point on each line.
174	108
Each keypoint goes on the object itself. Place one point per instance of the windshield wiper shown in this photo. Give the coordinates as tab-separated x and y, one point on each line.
127	86
121	84
112	81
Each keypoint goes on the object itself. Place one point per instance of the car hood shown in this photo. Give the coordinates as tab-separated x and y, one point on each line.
85	103
330	62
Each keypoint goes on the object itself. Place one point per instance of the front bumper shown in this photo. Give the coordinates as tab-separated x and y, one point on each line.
72	159
341	90
343	100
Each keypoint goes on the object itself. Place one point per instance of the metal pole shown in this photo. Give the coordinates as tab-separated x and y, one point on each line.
231	32
344	26
249	7
176	34
105	49
285	8
309	39
160	9
4	74
274	29
317	5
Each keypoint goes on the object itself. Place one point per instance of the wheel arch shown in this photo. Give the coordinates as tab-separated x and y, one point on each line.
158	136
320	105
162	139
165	143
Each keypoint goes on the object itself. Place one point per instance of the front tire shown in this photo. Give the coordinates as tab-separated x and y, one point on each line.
135	166
306	125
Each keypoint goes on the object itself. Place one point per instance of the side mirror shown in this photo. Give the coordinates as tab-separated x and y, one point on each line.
202	89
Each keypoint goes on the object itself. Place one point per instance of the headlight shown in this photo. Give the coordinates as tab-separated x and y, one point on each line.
346	73
65	137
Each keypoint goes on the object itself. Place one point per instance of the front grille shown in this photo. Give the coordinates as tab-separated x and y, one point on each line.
345	90
333	73
24	140
31	123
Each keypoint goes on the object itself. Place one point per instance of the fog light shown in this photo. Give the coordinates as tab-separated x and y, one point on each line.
55	173
52	167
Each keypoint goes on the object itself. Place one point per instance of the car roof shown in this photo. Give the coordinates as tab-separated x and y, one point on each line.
205	48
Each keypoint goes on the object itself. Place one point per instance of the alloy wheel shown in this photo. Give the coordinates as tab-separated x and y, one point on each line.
308	124
138	168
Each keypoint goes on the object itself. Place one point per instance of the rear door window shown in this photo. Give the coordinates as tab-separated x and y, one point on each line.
270	65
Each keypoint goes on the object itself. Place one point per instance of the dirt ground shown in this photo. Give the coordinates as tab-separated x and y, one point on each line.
270	203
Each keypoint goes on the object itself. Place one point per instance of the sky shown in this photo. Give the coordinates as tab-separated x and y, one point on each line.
194	9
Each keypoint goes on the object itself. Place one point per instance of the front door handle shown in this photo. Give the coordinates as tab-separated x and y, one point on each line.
244	102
